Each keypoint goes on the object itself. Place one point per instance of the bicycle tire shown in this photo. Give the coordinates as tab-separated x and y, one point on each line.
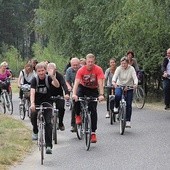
3	103
42	144
139	97
79	130
10	108
112	117
22	111
27	106
55	128
122	119
87	132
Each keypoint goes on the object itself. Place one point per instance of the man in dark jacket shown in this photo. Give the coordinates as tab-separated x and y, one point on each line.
166	79
59	91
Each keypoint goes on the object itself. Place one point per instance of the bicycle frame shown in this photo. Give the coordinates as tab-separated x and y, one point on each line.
85	128
111	99
41	128
122	109
55	116
24	107
7	102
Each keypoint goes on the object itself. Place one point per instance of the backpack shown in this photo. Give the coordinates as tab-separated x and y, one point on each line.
46	81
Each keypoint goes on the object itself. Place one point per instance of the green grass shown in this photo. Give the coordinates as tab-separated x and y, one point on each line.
15	141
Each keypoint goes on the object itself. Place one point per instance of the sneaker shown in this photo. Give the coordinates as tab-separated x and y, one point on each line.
128	124
78	120
107	115
34	136
115	109
167	107
73	129
48	150
93	138
62	128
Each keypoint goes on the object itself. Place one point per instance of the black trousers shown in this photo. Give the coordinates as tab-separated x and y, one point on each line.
61	110
84	91
48	125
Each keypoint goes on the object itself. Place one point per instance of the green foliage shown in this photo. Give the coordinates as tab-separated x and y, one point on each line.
49	53
13	58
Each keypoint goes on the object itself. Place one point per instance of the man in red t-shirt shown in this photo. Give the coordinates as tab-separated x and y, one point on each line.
89	82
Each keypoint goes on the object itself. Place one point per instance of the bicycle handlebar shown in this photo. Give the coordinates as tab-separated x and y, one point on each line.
125	87
95	99
109	87
55	98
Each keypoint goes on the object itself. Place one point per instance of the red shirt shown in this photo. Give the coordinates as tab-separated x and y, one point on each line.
89	78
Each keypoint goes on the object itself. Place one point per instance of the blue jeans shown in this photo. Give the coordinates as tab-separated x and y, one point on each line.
166	90
128	99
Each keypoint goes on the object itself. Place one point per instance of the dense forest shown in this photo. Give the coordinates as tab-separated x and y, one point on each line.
59	29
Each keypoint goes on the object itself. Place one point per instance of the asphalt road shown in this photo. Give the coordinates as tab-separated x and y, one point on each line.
146	146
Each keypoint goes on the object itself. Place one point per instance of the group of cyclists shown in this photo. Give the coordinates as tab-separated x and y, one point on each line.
82	78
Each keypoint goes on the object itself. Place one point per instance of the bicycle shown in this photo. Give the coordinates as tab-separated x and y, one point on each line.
41	127
69	102
122	109
139	97
140	92
55	116
6	97
25	102
84	130
111	105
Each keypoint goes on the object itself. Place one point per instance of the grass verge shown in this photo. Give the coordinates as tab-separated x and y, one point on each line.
15	141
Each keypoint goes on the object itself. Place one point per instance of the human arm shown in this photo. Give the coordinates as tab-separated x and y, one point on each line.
115	77
63	85
101	89
135	79
75	87
19	80
51	73
32	99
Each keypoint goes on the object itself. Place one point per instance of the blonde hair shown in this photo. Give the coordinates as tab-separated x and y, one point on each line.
4	63
41	65
90	56
53	65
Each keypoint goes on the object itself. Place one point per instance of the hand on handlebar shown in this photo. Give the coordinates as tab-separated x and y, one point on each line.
101	97
75	97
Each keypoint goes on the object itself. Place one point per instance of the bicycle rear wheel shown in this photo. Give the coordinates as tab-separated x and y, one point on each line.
122	119
139	97
87	129
112	117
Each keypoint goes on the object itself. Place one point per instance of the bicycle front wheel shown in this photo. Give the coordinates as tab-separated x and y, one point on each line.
55	126
22	111
87	129
41	143
139	97
122	119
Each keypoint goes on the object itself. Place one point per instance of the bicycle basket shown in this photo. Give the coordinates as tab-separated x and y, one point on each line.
26	90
